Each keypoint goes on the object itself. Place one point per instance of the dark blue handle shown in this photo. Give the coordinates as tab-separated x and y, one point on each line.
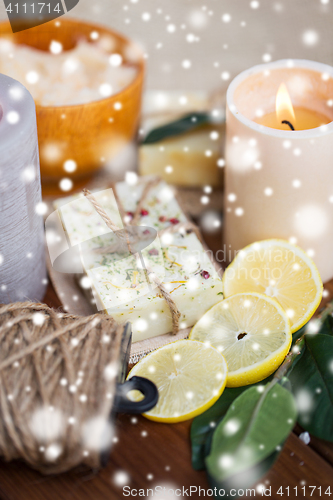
145	386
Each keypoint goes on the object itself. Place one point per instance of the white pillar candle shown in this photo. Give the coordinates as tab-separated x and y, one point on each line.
279	183
22	262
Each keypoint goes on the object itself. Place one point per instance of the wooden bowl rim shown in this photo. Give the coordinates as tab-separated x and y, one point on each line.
95	26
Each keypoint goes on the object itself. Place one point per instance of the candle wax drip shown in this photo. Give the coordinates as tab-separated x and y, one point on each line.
304	119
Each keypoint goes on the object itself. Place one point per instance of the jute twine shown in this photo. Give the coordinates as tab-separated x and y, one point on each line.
57	386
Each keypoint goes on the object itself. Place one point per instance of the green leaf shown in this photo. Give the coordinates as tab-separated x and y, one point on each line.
312	384
245	479
317	325
327	326
184	124
323	324
255	424
299	333
205	424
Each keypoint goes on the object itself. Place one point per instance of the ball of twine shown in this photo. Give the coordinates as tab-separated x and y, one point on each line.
57	386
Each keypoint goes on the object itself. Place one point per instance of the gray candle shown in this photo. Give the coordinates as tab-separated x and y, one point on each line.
22	260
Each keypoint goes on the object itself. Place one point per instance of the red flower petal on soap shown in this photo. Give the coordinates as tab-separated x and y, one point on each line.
130	214
205	274
153	251
144	212
174	221
162	218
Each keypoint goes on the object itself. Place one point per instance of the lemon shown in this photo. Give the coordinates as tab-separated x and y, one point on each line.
280	270
253	333
190	377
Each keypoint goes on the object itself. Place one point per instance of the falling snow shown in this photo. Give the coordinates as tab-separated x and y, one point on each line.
192	28
305	437
66	184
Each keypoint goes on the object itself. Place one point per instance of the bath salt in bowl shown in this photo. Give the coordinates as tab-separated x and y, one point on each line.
80	75
86	81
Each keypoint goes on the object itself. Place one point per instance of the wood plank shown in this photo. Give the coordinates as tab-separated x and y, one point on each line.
299	465
323	448
164	453
158	454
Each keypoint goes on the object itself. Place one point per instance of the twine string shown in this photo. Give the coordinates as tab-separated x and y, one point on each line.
44	374
146	191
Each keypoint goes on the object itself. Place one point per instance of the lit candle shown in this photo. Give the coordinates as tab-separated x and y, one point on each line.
286	117
279	181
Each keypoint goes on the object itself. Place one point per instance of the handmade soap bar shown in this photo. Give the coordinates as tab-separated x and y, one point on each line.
190	159
119	281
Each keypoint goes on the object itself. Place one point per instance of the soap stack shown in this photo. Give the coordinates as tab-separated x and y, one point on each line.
176	256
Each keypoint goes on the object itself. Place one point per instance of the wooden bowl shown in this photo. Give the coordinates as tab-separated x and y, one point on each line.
92	133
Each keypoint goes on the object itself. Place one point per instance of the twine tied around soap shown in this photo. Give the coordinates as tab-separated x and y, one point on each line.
56	388
181	227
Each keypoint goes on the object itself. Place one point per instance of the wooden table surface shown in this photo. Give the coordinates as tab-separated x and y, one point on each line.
159	454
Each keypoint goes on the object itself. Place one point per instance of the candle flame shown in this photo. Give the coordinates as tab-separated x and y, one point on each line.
283	105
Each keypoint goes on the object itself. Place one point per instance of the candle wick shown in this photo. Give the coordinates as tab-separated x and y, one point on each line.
288	123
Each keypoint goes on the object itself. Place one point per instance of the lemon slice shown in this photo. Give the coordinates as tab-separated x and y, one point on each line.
190	377
253	333
280	270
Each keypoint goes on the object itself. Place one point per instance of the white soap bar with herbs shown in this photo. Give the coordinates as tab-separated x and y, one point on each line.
119	284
